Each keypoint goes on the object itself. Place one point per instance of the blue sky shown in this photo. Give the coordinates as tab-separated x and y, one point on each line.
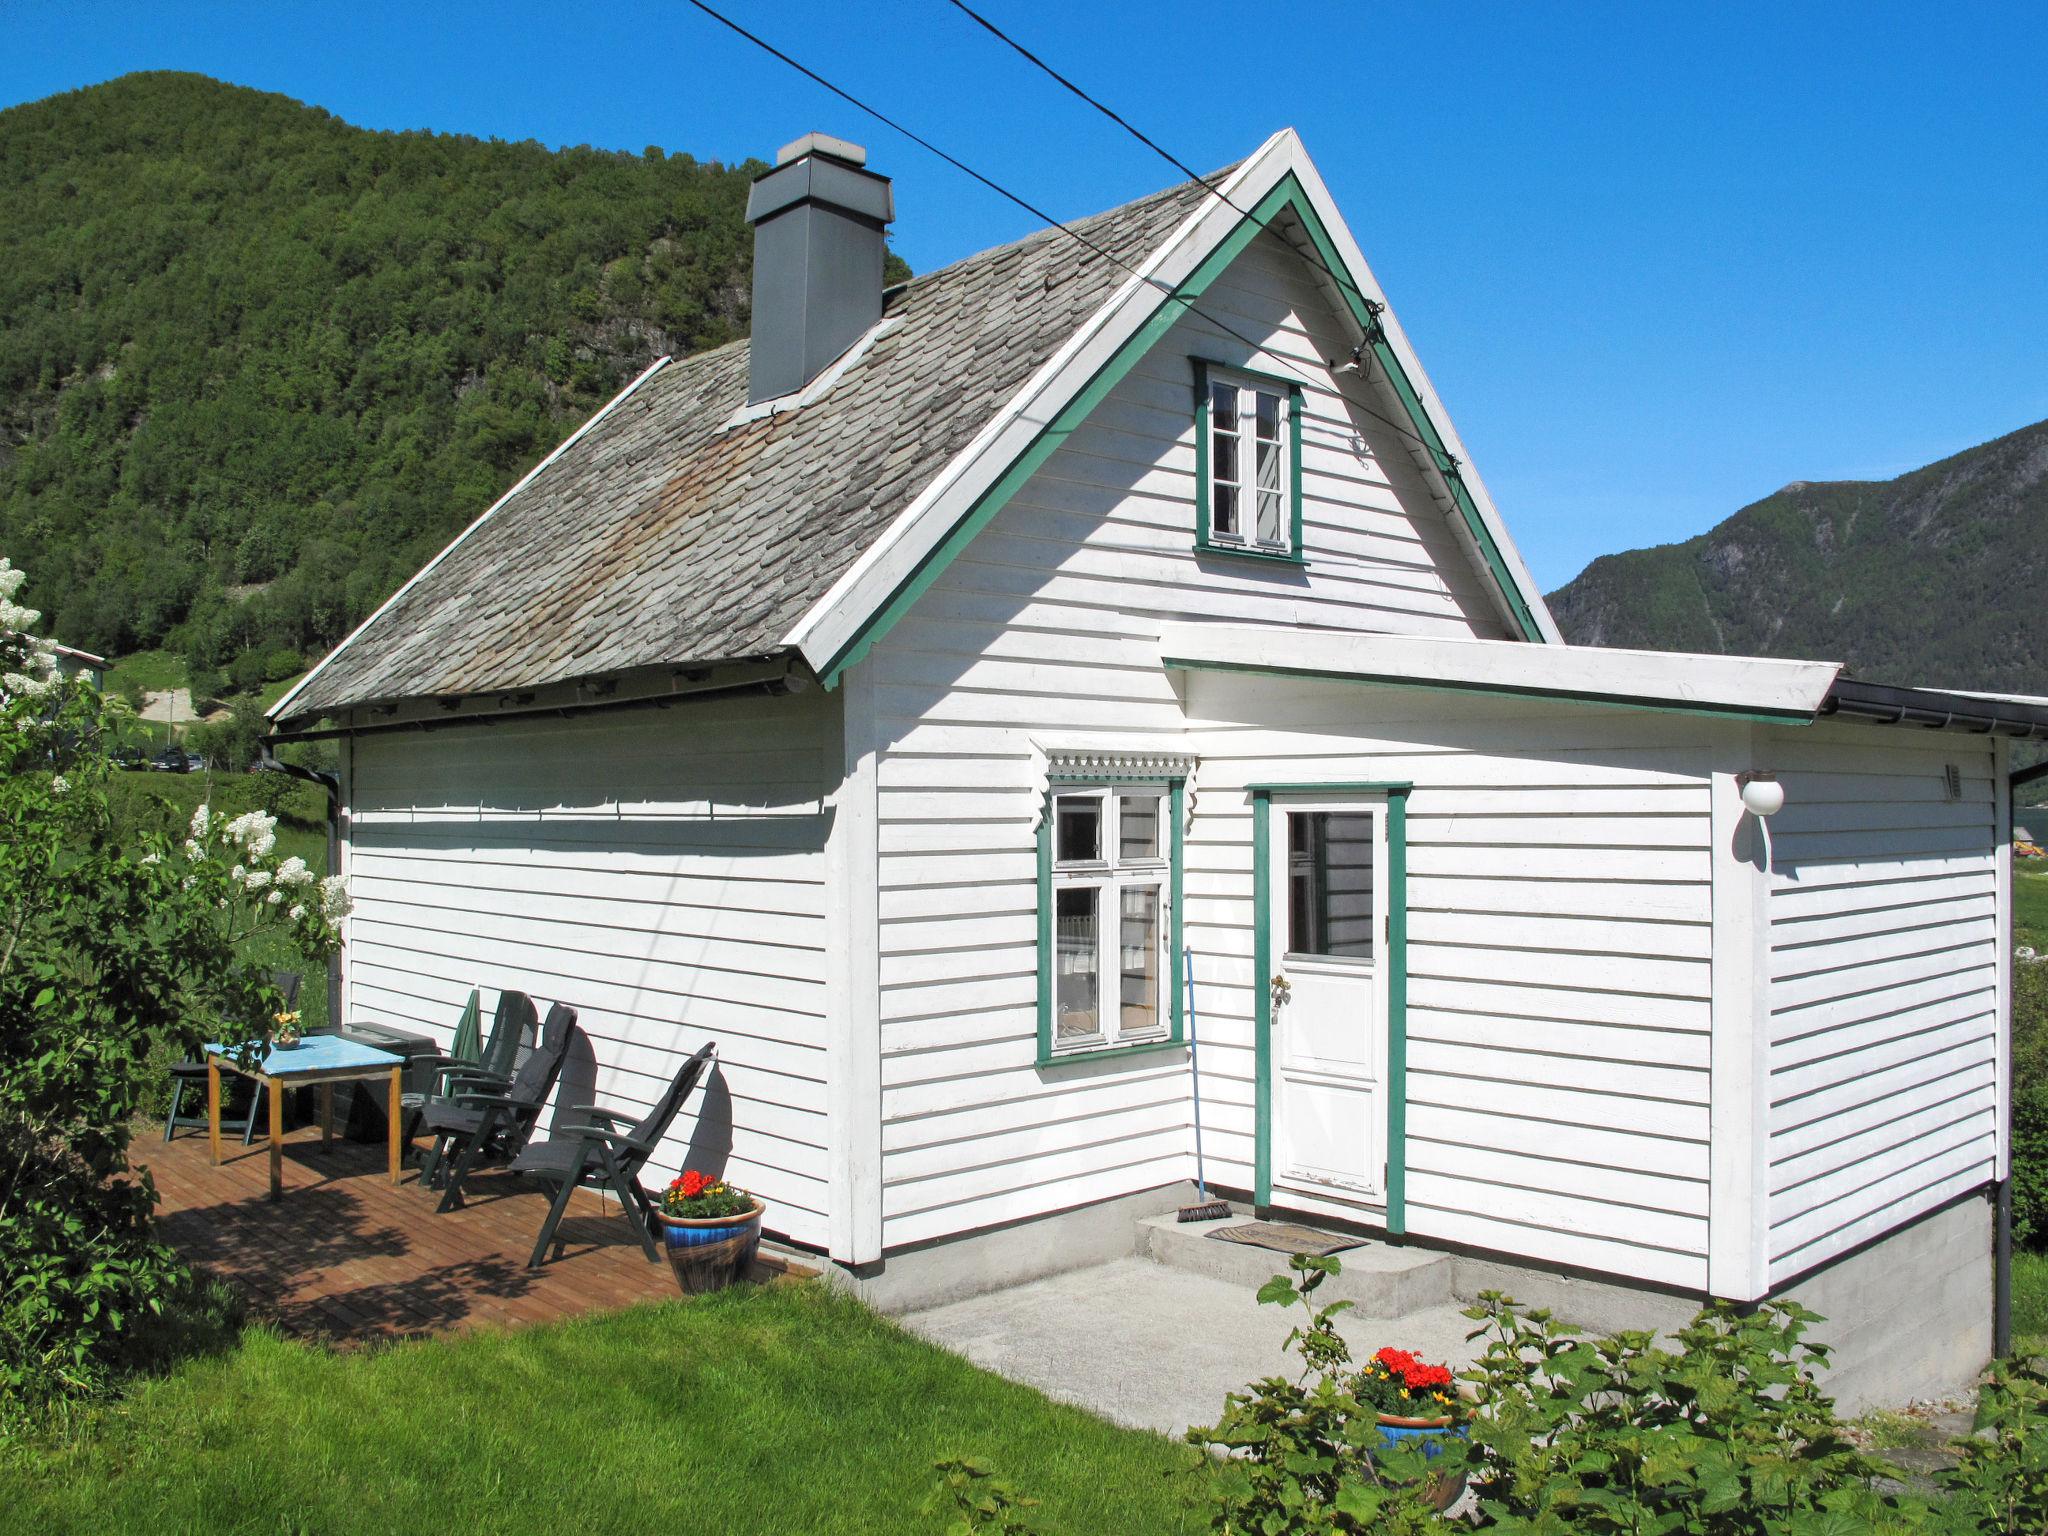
1658	263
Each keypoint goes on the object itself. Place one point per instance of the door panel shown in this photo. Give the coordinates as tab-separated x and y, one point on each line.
1327	912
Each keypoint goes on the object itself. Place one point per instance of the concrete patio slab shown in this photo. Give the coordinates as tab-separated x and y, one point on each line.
1151	1346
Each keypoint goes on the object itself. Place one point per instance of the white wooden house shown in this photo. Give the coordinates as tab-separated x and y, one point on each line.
898	699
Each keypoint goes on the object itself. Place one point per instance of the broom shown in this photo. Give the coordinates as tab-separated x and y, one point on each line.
1206	1209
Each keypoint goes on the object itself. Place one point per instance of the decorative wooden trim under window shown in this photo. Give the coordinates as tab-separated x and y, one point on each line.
1084	852
1240	532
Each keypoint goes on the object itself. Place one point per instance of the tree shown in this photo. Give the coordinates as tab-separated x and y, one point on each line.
110	947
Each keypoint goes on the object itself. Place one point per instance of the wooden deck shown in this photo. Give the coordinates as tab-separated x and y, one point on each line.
346	1258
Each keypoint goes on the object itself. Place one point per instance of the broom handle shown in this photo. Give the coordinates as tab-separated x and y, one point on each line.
1187	966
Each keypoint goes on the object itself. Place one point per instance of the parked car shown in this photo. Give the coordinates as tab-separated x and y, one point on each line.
194	763
127	757
170	760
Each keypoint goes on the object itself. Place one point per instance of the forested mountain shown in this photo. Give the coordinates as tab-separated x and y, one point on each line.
257	364
1938	578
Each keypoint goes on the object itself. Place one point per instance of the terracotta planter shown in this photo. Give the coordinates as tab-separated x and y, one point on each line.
708	1253
1433	1437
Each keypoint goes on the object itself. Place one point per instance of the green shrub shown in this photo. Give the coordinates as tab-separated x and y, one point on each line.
119	942
1305	1454
2000	1483
2030	1103
1729	1435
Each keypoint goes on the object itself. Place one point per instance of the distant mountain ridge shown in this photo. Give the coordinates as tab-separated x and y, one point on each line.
258	364
1938	578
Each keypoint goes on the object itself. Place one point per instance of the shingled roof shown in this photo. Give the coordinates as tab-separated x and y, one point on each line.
664	536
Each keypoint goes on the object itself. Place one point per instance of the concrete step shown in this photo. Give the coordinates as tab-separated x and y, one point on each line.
1378	1279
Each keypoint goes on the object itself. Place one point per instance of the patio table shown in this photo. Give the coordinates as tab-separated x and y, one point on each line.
319	1060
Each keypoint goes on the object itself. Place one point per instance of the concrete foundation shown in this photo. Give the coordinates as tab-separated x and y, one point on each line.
1000	1257
1908	1315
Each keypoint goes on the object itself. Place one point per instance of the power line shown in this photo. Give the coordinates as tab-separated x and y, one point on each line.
1115	117
993	185
1373	307
1039	213
882	117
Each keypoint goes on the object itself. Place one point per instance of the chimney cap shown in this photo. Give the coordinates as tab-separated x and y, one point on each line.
821	144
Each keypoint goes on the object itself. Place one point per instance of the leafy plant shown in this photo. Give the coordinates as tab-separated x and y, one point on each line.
1306	1454
1401	1384
111	947
2000	1485
982	1504
695	1196
1729	1435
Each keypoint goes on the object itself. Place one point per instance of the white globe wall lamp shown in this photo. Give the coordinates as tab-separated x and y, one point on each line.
1763	797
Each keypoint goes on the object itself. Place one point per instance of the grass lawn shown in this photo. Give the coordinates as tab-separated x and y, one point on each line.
151	671
778	1409
2030	902
2030	1303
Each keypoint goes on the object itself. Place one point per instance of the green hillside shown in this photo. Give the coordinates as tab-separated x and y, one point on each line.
1938	578
257	364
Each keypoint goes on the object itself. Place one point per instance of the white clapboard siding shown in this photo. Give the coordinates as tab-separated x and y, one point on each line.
662	872
1558	995
1883	985
1047	626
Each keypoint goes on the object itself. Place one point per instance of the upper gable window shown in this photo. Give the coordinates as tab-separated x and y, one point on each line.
1248	474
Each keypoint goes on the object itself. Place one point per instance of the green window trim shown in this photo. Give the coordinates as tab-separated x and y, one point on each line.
1286	196
1205	542
1396	794
1175	1037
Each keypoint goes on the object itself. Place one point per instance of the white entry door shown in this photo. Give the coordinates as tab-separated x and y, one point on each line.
1327	907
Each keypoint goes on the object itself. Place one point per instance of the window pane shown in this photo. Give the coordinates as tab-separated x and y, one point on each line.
1075	982
1223	459
1077	829
1223	407
1272	525
1139	940
1223	510
1268	417
1330	884
1137	827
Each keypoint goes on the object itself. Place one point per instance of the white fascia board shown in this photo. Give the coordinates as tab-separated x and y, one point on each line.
836	617
277	710
1648	679
1360	272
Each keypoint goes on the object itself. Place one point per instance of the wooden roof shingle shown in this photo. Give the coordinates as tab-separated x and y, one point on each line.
665	536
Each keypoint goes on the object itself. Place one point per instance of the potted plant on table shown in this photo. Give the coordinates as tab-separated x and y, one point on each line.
1417	1402
284	1031
710	1229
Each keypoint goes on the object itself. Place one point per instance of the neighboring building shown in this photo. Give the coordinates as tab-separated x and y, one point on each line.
72	662
1070	609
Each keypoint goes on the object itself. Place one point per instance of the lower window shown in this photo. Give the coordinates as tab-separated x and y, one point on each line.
1109	882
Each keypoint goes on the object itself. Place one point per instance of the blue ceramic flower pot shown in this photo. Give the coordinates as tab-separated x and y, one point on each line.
708	1253
1433	1437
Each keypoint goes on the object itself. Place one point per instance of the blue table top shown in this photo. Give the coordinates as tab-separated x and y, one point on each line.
319	1053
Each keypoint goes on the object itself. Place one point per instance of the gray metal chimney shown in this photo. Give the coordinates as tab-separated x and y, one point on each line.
819	220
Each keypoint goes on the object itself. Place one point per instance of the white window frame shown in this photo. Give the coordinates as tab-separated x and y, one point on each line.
1249	388
1112	874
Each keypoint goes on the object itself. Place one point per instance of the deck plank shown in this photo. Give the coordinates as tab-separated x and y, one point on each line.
346	1258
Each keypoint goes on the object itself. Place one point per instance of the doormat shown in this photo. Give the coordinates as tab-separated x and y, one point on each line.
1286	1237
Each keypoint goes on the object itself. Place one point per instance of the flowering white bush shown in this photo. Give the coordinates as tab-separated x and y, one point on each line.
114	948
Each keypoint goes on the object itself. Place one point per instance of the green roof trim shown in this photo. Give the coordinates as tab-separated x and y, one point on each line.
1286	196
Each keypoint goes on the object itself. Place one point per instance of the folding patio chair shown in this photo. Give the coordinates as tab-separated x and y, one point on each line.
481	1117
586	1146
513	1029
